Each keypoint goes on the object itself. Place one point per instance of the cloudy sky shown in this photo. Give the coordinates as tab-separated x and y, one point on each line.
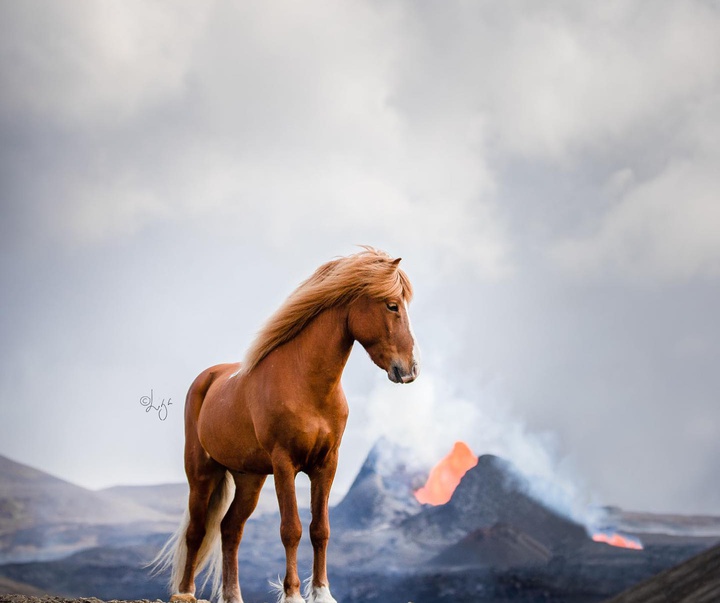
548	171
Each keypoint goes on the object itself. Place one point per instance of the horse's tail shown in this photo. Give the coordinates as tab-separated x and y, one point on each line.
173	555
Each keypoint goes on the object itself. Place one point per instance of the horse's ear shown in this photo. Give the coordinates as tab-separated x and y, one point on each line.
396	262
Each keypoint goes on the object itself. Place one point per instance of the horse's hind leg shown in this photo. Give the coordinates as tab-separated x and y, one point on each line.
202	486
247	491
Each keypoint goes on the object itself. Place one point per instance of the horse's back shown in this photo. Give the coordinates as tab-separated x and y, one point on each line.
202	383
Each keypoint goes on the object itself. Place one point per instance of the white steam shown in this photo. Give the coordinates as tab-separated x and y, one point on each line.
428	417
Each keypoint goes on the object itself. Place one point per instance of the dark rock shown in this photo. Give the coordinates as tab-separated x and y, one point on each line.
694	581
500	546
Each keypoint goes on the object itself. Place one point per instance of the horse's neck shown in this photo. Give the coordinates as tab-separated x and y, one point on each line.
321	350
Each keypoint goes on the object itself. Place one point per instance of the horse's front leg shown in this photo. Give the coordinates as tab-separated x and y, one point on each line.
320	482
290	526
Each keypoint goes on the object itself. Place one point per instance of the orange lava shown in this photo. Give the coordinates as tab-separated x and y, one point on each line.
618	540
446	475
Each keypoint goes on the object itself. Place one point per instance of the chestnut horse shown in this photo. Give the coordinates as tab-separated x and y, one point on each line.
280	412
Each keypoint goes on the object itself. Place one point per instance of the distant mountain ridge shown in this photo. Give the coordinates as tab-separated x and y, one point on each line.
29	496
172	499
169	499
44	517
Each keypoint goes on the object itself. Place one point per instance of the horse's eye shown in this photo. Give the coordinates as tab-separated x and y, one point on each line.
393	307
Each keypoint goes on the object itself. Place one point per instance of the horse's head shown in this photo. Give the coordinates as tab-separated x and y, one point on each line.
383	328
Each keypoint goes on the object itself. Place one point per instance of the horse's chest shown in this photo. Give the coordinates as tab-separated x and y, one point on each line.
314	431
313	448
308	436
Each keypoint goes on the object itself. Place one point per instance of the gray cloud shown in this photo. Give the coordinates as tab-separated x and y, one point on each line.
547	170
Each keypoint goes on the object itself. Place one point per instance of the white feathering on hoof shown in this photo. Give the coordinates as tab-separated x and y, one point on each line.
321	594
279	589
317	594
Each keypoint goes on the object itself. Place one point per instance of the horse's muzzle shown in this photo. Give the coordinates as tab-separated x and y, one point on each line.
397	374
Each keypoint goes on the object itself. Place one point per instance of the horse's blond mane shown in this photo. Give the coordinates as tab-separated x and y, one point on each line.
369	272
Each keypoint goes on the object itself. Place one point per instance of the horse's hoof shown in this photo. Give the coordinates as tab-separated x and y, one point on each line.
320	594
183	598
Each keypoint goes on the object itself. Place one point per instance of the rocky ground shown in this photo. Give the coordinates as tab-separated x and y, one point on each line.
48	599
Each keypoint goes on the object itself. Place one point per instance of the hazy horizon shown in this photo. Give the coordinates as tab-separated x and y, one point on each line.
170	171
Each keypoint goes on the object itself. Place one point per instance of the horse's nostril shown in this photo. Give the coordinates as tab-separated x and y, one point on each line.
414	370
398	375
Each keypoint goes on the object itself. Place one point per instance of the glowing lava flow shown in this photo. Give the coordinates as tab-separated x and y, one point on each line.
625	542
446	475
